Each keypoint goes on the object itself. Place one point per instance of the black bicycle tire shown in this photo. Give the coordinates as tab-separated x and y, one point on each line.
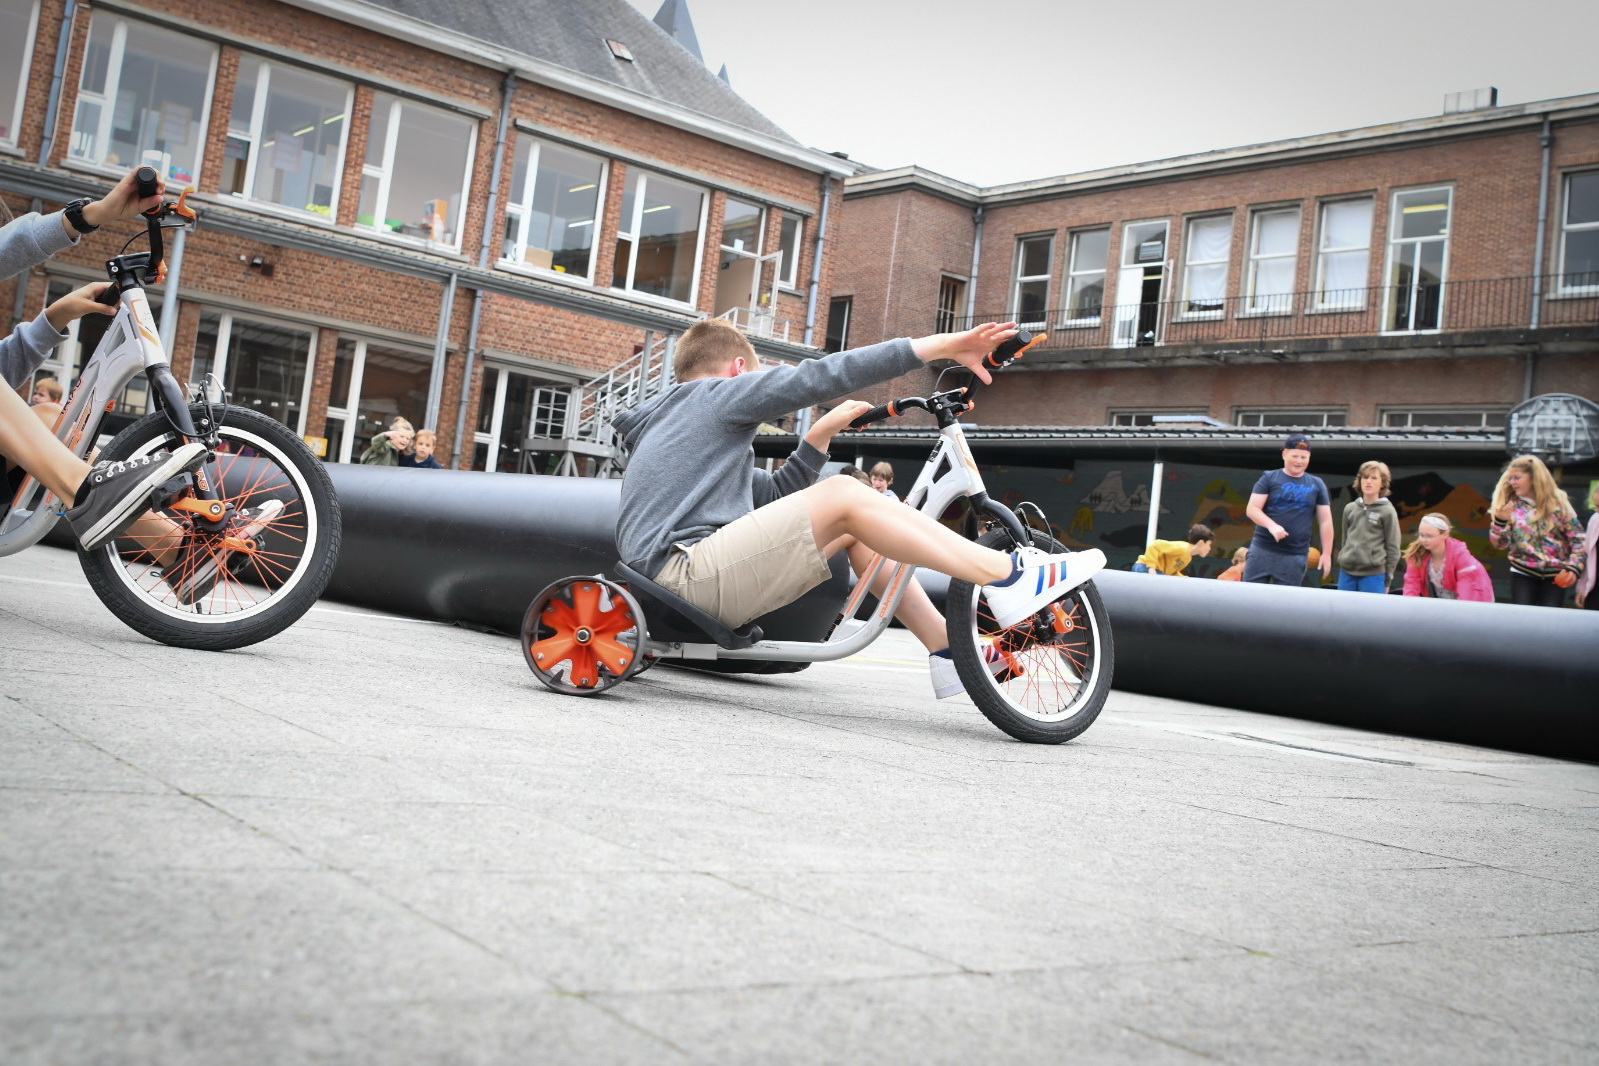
280	606
991	698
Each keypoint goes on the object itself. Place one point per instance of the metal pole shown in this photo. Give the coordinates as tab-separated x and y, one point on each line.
441	347
1154	500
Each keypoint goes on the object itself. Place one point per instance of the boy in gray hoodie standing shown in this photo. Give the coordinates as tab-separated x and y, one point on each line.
1370	551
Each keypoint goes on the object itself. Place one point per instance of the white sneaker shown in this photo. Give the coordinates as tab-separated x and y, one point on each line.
946	679
1044	579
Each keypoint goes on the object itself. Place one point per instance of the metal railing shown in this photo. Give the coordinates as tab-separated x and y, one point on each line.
1491	303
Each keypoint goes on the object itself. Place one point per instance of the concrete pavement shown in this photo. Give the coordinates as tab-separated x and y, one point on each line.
373	839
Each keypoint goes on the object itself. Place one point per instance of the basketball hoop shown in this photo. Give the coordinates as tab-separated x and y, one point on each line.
1558	427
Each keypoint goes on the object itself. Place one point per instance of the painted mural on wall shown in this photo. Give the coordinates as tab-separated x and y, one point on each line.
1105	505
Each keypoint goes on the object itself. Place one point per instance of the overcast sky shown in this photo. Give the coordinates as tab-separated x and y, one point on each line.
993	91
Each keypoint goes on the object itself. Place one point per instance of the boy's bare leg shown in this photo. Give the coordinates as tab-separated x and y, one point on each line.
843	507
25	441
915	612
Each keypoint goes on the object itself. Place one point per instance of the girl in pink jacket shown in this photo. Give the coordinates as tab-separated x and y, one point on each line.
1438	565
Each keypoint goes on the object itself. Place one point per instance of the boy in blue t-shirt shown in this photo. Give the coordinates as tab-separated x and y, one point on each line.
1282	506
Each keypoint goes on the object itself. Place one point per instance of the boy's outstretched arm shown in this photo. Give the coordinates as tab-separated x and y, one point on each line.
967	347
820	435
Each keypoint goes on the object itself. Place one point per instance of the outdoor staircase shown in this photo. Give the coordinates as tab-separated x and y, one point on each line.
592	405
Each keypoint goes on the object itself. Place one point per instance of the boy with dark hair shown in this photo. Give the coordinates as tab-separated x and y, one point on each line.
705	524
1283	505
1171	557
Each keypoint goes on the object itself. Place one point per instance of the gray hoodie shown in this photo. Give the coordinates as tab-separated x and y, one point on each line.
26	242
693	468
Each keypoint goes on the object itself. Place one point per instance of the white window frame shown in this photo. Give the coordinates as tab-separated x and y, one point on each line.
1296	417
113	82
760	228
384	172
833	305
14	121
1567	228
1354	303
1185	311
636	223
521	209
1394	244
788	272
1276	303
1021	279
1403	417
1074	272
252	137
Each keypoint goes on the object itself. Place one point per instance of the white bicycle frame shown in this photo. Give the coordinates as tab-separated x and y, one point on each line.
130	345
949	474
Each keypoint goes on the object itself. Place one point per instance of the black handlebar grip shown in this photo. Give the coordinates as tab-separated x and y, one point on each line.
1007	351
144	179
108	296
875	414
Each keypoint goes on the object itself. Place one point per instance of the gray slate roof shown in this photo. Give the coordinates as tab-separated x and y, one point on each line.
572	34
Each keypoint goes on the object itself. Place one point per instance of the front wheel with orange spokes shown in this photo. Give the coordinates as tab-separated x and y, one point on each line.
224	573
582	635
1044	680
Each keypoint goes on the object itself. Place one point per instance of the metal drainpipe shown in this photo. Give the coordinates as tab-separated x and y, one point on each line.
507	87
54	103
816	260
1547	141
1157	477
977	255
441	348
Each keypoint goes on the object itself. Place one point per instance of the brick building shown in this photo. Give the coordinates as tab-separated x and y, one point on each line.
493	221
1427	273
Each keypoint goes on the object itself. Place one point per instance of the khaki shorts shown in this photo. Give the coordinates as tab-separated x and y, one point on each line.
757	564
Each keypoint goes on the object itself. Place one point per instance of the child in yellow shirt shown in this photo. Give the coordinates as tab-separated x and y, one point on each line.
1171	557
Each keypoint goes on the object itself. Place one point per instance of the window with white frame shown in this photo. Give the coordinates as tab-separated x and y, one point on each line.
1205	264
951	304
1299	418
838	310
743	226
1579	233
1343	254
554	208
372	383
1030	295
659	237
1418	249
286	137
18	22
1273	257
1470	417
418	164
791	228
143	90
1085	276
262	365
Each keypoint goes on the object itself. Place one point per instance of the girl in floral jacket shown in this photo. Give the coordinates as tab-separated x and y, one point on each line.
1533	520
1439	565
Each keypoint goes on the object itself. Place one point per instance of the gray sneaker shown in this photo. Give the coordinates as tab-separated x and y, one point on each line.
196	574
116	492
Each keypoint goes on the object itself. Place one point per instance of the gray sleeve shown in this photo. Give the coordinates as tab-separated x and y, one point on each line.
23	351
804	466
753	398
29	240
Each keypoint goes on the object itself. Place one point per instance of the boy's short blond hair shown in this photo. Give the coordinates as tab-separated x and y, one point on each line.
884	471
1373	466
427	434
709	347
51	387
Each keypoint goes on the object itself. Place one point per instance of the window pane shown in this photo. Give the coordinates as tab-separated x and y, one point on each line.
566	205
154	101
741	226
1274	277
300	137
1346	224
343	370
1582	259
837	324
1090	249
789	245
428	172
1424	213
16	43
1034	257
667	243
266	369
393	382
1582	198
1276	233
1031	300
1208	239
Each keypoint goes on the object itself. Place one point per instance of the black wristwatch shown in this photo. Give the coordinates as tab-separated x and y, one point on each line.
74	213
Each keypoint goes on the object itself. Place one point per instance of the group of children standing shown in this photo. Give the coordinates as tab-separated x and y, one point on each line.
1531	520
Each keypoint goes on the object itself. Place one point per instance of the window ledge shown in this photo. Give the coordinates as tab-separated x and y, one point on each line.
1079	323
10	149
1199	316
1263	313
1336	309
650	300
451	251
264	207
511	266
1586	292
